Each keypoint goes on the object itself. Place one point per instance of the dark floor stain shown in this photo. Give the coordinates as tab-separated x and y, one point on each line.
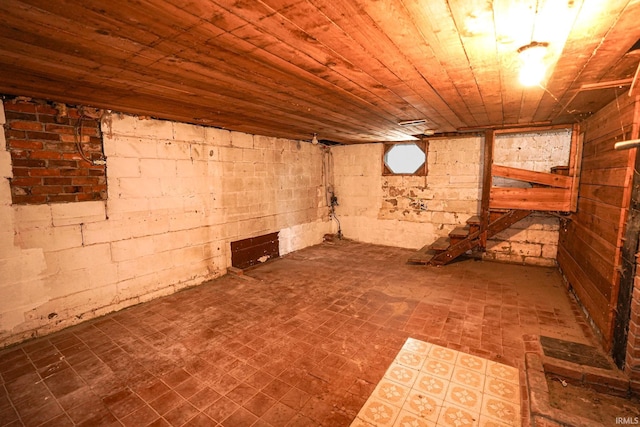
574	352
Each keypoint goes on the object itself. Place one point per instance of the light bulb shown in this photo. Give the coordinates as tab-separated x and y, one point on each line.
531	74
533	68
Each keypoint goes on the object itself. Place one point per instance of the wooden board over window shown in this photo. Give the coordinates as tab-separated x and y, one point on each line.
255	250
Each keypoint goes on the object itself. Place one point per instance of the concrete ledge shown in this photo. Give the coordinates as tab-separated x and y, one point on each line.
537	365
541	411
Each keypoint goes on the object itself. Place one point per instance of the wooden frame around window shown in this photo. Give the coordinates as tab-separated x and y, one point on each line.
423	144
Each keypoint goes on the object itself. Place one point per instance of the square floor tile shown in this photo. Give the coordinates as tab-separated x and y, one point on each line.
379	412
408	419
391	392
469	378
410	359
423	405
432	385
503	372
417	346
455	416
401	374
503	389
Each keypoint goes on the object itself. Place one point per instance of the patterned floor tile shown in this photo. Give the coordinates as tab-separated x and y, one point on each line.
417	346
408	419
438	368
378	412
472	362
430	385
503	389
454	416
410	359
501	410
503	372
468	377
402	374
464	397
391	392
443	353
423	405
490	422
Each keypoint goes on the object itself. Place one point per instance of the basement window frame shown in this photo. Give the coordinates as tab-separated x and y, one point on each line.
422	170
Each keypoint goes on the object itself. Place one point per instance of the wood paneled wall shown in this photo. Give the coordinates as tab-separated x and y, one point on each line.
589	253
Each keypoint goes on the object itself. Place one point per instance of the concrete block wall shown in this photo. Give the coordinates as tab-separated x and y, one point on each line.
177	196
411	211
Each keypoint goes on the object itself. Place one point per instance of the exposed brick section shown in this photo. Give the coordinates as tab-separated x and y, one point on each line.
47	164
632	360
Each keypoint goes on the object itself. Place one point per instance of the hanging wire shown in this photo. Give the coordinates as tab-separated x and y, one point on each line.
77	134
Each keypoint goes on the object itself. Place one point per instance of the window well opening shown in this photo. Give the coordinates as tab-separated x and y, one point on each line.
406	158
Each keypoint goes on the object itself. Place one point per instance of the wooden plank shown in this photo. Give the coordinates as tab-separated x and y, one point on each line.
591	238
433	21
355	20
603	194
591	27
474	224
473	239
170	72
512	33
400	27
595	304
442	244
590	249
473	220
598	266
540	199
529	128
481	48
609	120
609	177
254	250
487	179
553	180
627	230
455	251
606	230
575	165
549	15
628	260
608	160
459	233
422	256
606	212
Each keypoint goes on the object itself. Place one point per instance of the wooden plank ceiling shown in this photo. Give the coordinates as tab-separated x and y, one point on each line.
348	70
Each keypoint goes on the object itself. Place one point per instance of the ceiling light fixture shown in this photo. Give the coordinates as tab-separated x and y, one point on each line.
533	67
412	122
314	140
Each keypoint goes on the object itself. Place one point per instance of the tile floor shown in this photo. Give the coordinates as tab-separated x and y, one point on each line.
428	385
303	341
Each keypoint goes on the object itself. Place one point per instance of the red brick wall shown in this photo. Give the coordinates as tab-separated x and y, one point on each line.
633	340
47	163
